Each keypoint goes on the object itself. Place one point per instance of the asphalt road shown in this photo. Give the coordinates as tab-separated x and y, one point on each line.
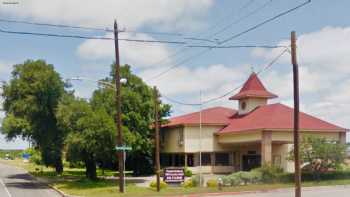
328	191
15	182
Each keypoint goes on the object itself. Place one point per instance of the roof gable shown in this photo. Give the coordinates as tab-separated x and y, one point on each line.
253	87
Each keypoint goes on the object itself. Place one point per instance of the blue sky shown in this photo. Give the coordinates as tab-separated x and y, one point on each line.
323	32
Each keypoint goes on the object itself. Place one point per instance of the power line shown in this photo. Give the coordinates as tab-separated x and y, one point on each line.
255	11
224	29
231	91
264	22
178	64
85	27
88	37
258	73
237	46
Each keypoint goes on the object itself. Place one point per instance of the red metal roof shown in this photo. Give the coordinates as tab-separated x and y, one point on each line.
214	116
253	88
275	116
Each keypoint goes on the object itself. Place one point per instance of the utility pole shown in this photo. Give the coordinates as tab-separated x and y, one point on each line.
156	126
200	138
297	176
118	105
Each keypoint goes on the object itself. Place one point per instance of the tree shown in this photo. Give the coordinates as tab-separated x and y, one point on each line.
91	137
30	101
137	117
321	154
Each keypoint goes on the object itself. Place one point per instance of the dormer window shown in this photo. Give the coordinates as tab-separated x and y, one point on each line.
243	105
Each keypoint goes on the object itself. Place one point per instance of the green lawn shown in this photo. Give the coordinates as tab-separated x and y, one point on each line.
72	182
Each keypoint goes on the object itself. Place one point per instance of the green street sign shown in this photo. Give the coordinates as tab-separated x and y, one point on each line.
123	148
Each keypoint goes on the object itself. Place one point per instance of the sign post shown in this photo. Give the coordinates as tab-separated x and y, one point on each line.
124	149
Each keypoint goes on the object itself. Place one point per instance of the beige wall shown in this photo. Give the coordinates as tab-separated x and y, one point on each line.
287	136
171	143
209	141
240	138
279	156
251	104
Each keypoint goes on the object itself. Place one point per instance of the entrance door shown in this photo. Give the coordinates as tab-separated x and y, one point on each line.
250	162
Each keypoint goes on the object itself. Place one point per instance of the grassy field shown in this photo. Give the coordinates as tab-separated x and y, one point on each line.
72	182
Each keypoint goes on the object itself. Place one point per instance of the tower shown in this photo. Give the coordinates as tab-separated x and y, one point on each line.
252	95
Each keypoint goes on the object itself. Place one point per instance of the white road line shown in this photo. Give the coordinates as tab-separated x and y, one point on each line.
7	191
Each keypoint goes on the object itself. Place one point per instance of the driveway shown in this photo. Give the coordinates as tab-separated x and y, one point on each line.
15	182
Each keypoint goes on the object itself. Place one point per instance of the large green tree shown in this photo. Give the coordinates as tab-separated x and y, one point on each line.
30	101
137	117
91	137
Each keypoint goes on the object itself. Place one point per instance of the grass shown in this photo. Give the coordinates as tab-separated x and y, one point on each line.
72	182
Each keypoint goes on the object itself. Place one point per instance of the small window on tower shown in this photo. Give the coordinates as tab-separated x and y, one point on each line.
243	105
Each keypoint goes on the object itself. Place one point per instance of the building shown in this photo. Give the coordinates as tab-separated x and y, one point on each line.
234	140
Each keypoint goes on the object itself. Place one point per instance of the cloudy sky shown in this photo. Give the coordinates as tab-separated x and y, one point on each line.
323	32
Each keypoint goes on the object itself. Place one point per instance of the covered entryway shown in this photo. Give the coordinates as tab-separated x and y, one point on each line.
250	162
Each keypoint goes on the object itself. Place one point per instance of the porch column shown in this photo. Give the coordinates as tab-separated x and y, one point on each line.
266	147
342	137
237	159
185	158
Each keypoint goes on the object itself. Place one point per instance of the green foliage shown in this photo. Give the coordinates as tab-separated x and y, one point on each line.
321	154
267	173
195	180
162	184
35	156
137	116
91	133
30	101
212	183
264	174
188	183
12	153
188	172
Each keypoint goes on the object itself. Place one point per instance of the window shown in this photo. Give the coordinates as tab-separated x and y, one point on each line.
206	159
222	159
243	105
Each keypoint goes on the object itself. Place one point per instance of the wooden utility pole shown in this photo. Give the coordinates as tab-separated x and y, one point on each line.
118	105
297	176
156	126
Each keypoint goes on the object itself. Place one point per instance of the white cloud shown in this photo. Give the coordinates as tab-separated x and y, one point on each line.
131	14
136	54
5	70
184	80
324	73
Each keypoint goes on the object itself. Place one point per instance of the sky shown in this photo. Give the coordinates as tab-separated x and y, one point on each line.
322	27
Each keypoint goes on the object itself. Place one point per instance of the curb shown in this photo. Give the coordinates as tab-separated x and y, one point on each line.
257	191
61	193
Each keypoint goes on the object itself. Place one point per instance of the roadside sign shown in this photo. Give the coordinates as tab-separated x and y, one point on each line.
123	148
174	175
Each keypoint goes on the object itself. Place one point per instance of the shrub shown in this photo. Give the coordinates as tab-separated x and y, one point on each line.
162	184
188	172
212	183
188	183
269	174
195	180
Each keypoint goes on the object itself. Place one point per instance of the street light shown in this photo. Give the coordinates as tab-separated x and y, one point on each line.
78	78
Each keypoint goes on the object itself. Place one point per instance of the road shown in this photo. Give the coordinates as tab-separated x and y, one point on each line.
327	191
15	182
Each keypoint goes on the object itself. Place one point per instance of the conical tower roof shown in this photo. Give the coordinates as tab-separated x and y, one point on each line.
253	88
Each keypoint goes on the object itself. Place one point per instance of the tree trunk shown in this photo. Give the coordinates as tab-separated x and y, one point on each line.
59	165
90	172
